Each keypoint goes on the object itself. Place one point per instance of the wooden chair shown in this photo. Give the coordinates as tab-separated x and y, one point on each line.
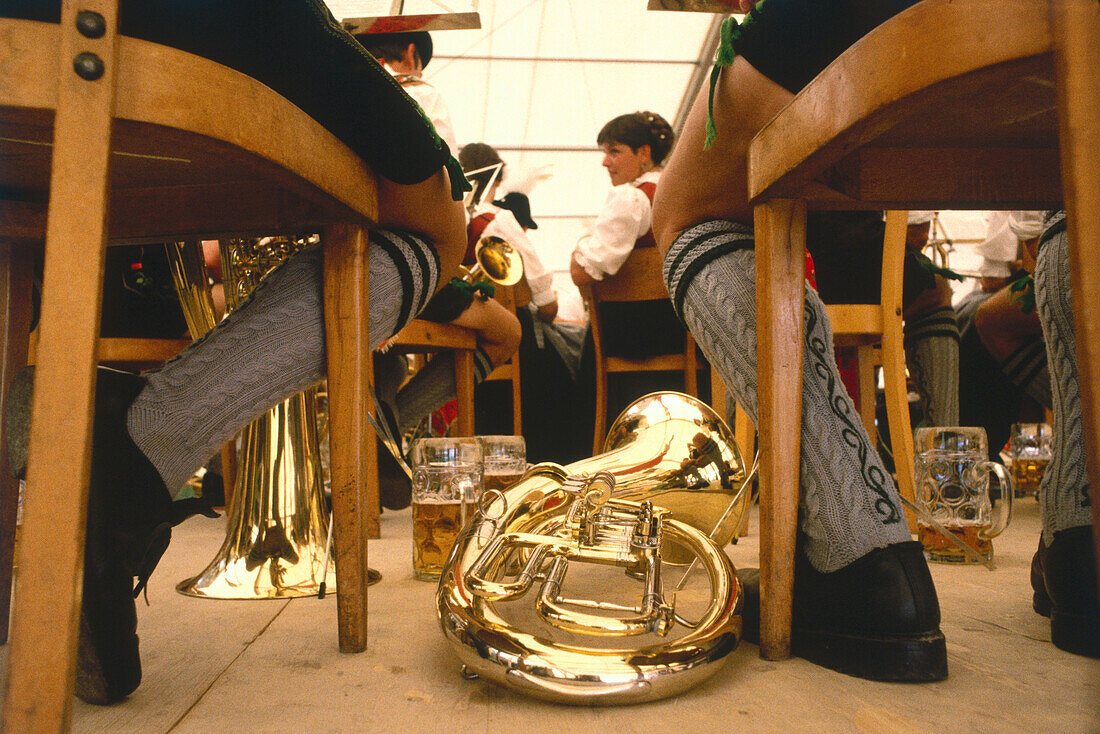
930	110
154	149
512	298
878	327
639	279
426	337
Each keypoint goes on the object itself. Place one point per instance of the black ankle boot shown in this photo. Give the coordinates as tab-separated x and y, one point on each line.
876	618
129	526
1063	577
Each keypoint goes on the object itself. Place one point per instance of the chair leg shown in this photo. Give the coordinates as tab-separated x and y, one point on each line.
865	361
1076	25
464	392
41	662
354	493
780	268
517	398
601	410
15	299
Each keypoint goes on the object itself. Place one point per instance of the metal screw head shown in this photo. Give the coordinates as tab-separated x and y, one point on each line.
90	24
88	66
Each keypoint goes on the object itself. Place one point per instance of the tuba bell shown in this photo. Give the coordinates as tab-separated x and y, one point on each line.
665	495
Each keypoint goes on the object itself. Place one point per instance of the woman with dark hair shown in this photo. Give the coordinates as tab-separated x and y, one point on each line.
634	147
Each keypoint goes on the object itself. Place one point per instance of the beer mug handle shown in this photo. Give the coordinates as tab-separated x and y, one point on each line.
1004	507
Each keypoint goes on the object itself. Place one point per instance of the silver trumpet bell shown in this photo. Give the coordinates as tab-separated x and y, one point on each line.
595	541
275	543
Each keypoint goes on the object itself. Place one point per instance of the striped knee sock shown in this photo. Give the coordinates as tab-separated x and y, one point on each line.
433	386
932	356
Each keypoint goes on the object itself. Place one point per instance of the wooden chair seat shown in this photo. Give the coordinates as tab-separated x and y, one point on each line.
163	146
946	105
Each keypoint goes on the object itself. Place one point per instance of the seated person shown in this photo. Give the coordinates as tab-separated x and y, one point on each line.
460	303
635	146
1003	374
864	600
152	431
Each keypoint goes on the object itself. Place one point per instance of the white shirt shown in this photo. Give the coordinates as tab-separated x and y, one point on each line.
430	100
1004	230
626	216
505	226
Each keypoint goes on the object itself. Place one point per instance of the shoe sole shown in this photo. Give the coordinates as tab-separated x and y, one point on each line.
1075	633
913	659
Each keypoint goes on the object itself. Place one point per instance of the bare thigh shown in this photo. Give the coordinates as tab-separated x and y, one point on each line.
427	209
701	184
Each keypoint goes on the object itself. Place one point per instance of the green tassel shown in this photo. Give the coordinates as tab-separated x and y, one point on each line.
934	269
723	57
459	184
1023	292
482	289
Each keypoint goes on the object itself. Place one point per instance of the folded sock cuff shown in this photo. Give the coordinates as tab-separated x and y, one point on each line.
938	323
482	365
1024	364
417	266
695	248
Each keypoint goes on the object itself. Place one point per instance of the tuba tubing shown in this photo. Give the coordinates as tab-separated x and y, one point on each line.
664	451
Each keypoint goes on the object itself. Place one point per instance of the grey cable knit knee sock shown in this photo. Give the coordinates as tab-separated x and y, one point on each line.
1064	494
433	386
932	356
268	349
849	504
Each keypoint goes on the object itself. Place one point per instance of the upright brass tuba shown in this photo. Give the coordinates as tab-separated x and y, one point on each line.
658	500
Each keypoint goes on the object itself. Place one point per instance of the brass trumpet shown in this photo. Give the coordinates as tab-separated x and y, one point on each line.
496	260
671	484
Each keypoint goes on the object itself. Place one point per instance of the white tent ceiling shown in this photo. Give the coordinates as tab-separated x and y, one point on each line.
539	79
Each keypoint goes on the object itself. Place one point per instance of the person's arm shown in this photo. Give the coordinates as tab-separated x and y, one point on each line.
626	216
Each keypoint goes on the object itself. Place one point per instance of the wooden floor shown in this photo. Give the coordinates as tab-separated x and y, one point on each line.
273	666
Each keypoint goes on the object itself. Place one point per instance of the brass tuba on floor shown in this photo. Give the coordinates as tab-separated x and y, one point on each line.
658	500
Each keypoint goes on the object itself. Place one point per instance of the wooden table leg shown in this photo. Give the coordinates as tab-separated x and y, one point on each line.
780	253
352	438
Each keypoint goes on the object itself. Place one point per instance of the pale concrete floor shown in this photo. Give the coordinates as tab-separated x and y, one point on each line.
273	666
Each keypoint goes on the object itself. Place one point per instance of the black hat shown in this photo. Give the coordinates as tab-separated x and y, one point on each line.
519	205
422	40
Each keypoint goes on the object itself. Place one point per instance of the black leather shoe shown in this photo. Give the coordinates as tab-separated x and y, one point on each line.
129	526
877	618
1063	578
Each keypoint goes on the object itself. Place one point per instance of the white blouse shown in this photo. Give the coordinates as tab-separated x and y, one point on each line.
626	216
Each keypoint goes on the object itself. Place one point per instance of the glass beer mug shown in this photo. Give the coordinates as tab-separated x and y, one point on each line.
446	484
1030	448
952	474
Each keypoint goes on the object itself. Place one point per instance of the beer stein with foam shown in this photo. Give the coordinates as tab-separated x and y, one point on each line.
446	484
